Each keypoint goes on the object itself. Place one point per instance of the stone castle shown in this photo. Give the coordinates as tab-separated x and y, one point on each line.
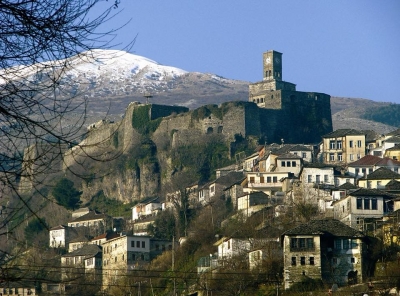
275	111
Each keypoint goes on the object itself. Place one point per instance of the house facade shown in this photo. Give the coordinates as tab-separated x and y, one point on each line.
61	235
324	249
343	146
129	252
362	204
378	179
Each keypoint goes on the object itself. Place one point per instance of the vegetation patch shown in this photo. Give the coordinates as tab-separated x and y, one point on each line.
112	207
206	111
389	114
141	120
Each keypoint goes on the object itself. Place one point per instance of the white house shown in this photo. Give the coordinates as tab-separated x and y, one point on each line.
61	235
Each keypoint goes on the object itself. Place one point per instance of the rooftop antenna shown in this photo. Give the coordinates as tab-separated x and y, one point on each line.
147	96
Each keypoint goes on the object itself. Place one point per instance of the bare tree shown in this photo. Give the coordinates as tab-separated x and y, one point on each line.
40	41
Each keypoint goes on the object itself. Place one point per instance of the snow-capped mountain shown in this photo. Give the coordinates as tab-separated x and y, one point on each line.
117	78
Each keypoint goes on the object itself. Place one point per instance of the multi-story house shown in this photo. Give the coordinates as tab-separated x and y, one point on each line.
324	249
378	179
129	252
361	205
95	223
289	163
343	146
369	163
268	182
252	202
216	188
393	153
61	235
147	207
86	260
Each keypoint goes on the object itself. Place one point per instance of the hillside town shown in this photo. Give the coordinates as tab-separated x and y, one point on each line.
287	218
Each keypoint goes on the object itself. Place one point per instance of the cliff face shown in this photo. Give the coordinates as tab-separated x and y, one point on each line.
136	157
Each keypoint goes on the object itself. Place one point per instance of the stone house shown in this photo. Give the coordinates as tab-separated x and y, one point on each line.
87	259
252	202
271	251
289	163
61	235
343	146
129	252
20	288
147	207
370	163
217	187
233	192
378	179
324	249
95	223
362	205
267	182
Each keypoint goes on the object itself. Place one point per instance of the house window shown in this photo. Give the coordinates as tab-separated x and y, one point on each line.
379	183
332	144
293	261
304	155
359	143
261	179
318	179
283	163
309	178
326	178
351	157
369	184
312	261
268	179
366	203
229	244
212	188
275	179
354	244
357	171
353	260
338	244
351	144
310	243
331	156
251	179
302	260
138	244
340	157
288	164
302	243
374	204
293	164
132	244
359	203
358	156
364	172
339	144
345	244
143	244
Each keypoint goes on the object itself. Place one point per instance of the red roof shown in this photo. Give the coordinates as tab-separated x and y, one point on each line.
370	160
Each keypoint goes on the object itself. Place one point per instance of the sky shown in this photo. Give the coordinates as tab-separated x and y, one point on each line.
342	48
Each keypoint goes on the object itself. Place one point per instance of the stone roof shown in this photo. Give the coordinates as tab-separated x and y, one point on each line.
371	160
87	250
381	174
347	186
394	133
325	227
393	185
394	139
371	192
230	179
370	135
58	227
288	155
107	236
318	165
93	215
342	133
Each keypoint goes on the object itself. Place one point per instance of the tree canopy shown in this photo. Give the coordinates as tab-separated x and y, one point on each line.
66	194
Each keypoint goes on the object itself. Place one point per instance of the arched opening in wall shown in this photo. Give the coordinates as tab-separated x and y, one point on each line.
352	277
210	130
270	73
220	128
262	100
258	101
272	97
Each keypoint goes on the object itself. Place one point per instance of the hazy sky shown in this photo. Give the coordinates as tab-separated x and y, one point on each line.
348	48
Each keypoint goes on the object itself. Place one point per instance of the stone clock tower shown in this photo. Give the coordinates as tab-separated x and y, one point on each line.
272	65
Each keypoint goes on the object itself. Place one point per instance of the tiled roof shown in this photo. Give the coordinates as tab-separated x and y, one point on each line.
394	133
342	133
382	174
93	215
394	139
58	227
87	251
371	160
328	227
107	236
